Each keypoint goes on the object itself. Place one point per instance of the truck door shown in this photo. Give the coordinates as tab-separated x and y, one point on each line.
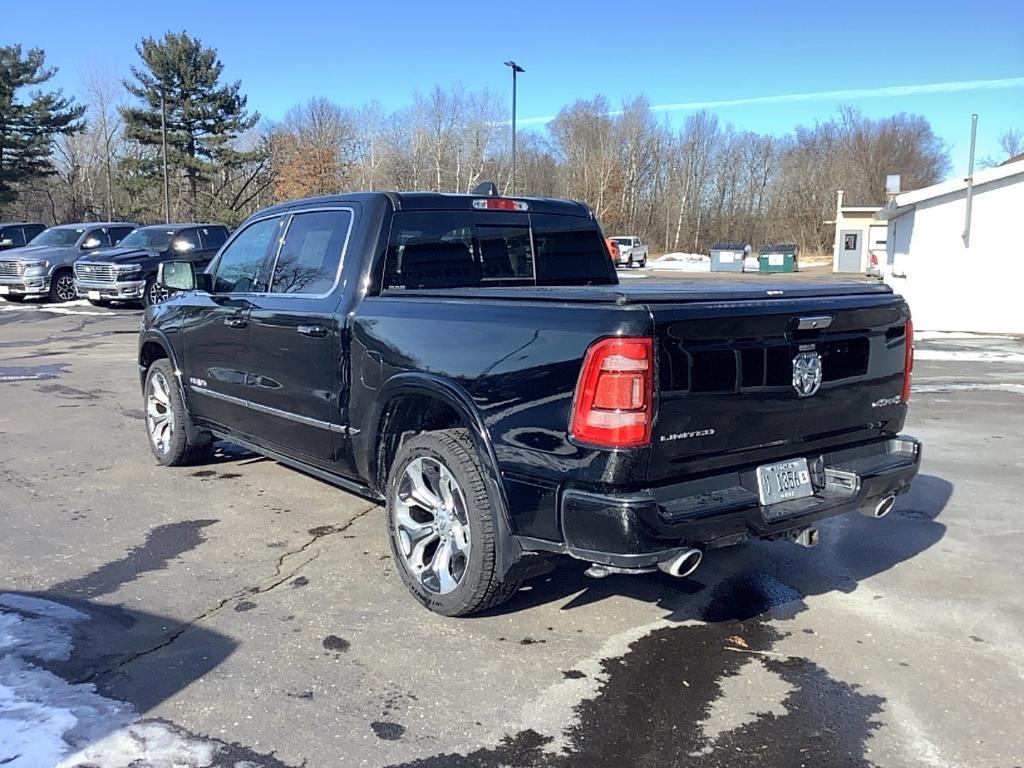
298	384
217	353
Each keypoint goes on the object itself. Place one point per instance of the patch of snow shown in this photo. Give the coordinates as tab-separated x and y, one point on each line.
682	262
932	335
47	722
969	356
924	389
632	275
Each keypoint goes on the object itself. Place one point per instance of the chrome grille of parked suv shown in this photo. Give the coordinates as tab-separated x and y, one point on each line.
11	269
96	273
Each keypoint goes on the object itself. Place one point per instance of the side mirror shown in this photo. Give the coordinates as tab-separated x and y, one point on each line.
90	243
176	275
183	246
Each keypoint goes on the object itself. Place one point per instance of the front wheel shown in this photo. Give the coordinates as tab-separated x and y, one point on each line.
441	525
167	421
154	293
62	287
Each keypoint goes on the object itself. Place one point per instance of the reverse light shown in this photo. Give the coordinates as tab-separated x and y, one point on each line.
613	407
500	204
908	361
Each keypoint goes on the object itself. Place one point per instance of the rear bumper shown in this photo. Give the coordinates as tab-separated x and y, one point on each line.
640	529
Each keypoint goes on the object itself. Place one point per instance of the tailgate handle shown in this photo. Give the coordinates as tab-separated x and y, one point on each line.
814	323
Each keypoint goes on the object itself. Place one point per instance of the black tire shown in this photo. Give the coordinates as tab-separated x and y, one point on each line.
17	298
62	286
480	586
171	449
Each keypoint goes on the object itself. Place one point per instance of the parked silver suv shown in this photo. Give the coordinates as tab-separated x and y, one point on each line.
632	251
44	266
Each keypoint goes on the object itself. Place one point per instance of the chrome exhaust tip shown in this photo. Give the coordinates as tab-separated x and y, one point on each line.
682	564
881	509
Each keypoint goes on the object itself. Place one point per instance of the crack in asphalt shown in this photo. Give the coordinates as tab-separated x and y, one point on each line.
278	578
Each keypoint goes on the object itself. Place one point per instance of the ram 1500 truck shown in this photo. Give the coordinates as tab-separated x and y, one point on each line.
472	362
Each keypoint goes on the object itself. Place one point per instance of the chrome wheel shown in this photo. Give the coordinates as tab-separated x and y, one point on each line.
431	525
159	414
65	288
157	293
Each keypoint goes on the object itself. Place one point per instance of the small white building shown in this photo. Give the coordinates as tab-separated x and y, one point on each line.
957	280
858	236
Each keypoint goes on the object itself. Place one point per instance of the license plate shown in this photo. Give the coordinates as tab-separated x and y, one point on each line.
4	290
94	295
784	481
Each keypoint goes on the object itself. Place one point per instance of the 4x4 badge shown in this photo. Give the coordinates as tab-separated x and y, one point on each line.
807	373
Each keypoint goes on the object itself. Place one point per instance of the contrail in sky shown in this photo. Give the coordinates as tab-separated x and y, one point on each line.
851	94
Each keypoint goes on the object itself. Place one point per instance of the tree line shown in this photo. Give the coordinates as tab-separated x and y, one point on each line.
679	187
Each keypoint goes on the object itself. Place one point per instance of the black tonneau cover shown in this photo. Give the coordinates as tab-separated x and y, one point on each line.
676	292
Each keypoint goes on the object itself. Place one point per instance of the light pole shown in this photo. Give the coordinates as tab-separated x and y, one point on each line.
516	69
163	142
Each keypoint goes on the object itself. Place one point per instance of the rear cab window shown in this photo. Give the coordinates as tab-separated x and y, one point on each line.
482	249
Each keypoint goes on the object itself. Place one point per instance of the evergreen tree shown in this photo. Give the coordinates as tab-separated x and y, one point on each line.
203	117
28	128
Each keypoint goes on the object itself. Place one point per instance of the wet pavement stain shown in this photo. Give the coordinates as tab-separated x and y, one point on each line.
68	392
31	372
244	605
163	544
572	674
387	731
651	708
335	643
301	581
204	473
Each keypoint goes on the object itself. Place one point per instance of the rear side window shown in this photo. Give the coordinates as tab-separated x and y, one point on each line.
189	238
117	234
14	235
311	254
239	266
213	237
463	249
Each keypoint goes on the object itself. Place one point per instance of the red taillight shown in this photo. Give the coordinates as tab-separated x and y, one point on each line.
908	361
613	406
500	204
874	260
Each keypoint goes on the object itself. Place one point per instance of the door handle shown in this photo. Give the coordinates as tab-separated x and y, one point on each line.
314	331
235	321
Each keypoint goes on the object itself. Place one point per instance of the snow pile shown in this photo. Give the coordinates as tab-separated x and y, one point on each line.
682	262
46	722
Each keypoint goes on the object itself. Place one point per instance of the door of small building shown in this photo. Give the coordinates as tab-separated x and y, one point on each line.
851	250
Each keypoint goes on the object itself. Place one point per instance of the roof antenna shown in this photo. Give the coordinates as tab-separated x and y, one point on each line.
488	188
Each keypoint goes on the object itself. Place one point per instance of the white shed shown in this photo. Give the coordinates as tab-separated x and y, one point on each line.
953	282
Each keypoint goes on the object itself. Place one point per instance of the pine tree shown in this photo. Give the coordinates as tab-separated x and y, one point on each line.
28	128
203	117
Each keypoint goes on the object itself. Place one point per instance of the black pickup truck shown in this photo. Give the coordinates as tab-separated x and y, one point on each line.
473	362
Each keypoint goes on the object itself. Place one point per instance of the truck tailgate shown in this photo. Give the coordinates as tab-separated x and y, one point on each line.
725	370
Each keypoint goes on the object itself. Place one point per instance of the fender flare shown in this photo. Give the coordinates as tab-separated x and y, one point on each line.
508	551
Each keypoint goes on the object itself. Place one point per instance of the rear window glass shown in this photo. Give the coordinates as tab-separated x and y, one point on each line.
463	249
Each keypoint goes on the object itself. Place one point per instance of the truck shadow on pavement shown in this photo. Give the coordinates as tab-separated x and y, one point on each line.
657	704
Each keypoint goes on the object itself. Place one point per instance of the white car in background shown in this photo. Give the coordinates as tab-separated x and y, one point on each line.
632	251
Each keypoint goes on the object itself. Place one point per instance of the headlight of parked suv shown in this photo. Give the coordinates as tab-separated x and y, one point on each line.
36	266
129	271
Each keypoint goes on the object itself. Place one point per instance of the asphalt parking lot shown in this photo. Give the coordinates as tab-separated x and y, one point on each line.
241	613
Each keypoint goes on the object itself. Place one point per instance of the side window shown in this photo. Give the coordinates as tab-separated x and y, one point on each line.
14	235
189	238
119	232
213	237
311	253
96	238
238	268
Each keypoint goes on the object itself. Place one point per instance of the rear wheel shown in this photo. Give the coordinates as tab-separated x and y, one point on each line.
441	526
62	287
167	421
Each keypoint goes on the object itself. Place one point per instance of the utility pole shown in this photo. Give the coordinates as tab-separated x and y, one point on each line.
163	142
515	70
969	202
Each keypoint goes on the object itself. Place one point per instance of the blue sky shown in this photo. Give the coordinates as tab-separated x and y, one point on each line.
818	55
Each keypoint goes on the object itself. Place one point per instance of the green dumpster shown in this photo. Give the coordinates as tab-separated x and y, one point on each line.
777	258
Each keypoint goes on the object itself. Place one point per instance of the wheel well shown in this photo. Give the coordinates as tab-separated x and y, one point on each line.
151	352
405	416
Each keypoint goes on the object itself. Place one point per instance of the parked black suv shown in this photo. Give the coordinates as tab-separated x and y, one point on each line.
129	271
15	234
472	362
